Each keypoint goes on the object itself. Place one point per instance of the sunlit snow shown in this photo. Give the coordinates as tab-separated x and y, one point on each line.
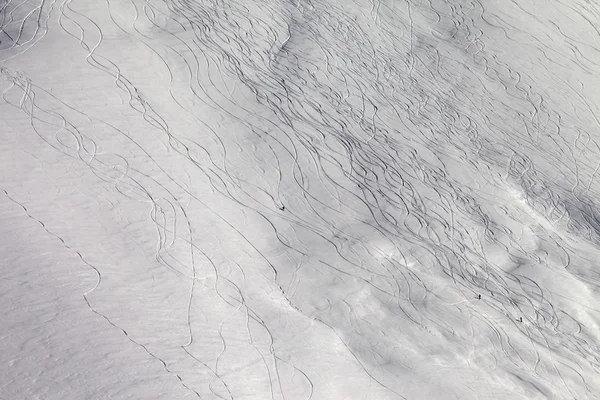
296	199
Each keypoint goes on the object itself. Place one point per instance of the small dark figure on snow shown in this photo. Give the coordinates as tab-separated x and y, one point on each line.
282	208
520	319
478	297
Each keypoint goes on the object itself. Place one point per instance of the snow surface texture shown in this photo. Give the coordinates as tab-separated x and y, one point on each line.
299	199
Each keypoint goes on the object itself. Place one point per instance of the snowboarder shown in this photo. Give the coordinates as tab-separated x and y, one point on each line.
478	297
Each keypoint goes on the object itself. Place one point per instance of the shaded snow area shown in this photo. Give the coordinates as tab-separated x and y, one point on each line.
299	199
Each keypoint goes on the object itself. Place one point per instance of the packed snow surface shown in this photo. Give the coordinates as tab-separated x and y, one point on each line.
299	199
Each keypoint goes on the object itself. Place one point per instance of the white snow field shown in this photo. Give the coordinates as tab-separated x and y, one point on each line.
299	199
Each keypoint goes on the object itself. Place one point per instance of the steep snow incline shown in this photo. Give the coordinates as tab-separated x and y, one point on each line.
299	199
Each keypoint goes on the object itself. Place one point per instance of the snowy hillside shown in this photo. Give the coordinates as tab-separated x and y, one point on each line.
299	199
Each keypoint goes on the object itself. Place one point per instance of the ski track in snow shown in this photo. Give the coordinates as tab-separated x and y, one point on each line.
300	200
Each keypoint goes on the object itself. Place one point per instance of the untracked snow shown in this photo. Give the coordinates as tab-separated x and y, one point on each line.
295	199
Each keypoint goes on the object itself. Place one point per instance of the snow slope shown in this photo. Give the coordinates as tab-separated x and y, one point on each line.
295	199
